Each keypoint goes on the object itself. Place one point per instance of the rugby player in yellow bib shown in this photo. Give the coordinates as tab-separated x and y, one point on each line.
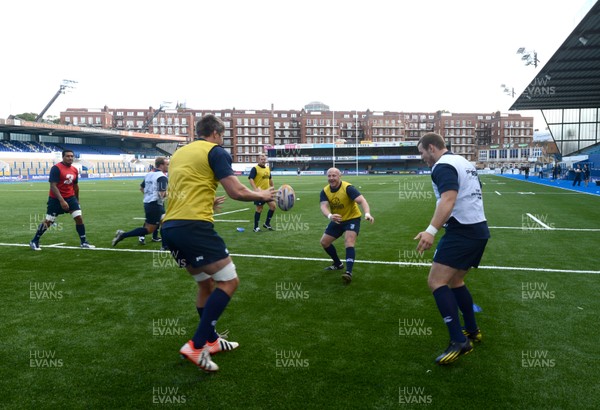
339	203
188	231
260	178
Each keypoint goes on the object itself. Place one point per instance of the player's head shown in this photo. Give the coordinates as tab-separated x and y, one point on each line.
210	126
68	156
262	160
334	177
161	163
431	146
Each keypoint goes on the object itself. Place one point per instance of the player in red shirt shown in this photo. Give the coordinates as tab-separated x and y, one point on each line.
63	198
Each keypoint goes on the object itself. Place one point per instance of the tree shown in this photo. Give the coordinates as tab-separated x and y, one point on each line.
26	116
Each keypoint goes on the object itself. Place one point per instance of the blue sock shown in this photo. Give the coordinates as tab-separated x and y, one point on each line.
464	300
135	232
446	304
81	232
215	305
350	254
269	216
40	231
155	233
333	253
256	219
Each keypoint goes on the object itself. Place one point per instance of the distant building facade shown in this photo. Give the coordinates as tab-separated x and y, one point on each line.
492	140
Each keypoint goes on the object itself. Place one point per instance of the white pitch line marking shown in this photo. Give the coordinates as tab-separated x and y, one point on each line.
223	213
231	212
239	255
539	222
520	228
232	220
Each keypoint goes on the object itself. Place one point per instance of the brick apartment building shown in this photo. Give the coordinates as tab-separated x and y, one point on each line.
492	139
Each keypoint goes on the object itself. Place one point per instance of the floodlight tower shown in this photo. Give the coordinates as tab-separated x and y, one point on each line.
508	91
64	85
529	57
162	107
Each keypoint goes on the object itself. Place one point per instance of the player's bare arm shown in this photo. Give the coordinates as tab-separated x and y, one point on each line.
218	202
442	212
360	200
253	185
337	218
240	192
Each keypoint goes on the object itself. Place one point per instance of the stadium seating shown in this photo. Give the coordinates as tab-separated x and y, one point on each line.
29	166
27	146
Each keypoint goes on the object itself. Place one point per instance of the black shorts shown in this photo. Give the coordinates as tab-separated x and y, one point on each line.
261	203
55	209
153	212
193	243
336	230
459	252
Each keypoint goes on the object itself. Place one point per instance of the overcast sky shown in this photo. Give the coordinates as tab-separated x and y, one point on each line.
418	55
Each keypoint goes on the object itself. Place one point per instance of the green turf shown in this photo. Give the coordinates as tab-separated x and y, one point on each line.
102	328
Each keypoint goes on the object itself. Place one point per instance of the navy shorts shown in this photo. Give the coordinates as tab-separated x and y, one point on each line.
153	212
193	243
336	230
459	252
261	203
55	209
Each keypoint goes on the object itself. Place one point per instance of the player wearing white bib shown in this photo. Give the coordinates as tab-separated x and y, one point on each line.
459	209
154	189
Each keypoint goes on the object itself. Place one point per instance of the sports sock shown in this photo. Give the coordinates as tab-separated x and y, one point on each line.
81	232
331	251
269	216
464	300
40	231
446	304
135	232
215	305
350	254
256	219
155	233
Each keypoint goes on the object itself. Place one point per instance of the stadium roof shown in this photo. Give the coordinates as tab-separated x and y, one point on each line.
41	128
571	78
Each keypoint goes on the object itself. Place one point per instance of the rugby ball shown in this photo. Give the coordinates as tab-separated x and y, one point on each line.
285	197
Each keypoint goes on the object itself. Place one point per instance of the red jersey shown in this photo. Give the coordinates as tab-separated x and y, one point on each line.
65	177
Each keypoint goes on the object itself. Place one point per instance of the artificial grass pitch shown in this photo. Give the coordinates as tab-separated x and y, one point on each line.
102	328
